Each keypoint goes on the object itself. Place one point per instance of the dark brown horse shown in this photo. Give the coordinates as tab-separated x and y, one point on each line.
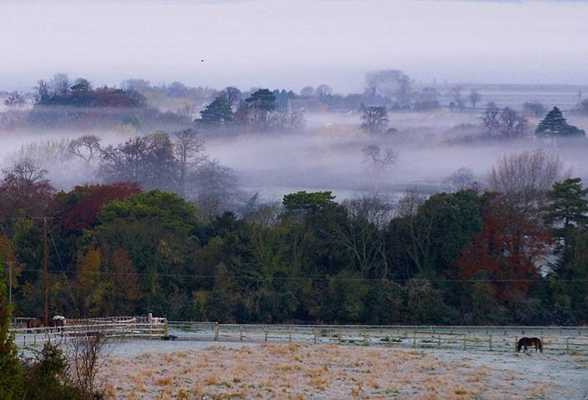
526	342
33	323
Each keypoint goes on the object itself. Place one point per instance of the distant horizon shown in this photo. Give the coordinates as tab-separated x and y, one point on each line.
279	44
438	83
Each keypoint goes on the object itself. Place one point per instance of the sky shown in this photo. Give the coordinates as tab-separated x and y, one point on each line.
293	43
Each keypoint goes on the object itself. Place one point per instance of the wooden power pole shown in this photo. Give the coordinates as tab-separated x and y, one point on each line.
10	282
45	273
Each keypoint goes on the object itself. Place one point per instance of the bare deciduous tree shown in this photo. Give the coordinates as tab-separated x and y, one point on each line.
86	147
380	158
361	236
474	97
189	149
512	124
149	161
25	173
462	179
214	187
525	178
420	230
85	362
374	119
505	123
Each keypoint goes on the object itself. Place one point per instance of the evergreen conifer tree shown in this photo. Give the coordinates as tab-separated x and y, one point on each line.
554	124
218	112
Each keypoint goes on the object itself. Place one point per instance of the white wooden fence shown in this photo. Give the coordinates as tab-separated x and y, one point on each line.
113	327
556	339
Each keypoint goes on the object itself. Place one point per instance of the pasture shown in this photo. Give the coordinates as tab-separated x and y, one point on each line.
205	370
230	361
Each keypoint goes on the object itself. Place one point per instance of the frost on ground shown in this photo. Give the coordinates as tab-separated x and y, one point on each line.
294	371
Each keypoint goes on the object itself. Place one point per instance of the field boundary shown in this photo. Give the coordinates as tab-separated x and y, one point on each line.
556	339
571	340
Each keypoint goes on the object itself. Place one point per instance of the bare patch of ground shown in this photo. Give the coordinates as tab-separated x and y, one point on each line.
294	371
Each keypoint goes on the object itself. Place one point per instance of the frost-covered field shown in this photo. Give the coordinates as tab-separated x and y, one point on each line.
196	370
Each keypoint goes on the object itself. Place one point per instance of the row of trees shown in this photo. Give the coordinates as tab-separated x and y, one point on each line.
61	103
262	110
80	93
513	254
497	123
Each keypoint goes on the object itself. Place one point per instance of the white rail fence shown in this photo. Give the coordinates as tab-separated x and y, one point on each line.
115	327
556	339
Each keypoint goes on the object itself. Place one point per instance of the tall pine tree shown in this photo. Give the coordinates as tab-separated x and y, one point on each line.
567	213
568	208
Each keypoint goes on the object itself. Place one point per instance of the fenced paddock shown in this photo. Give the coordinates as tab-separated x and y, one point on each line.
571	340
114	327
556	339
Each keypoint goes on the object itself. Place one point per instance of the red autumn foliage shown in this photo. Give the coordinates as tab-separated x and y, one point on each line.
506	251
80	207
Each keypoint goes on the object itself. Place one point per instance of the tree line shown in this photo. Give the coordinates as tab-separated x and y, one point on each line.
136	106
513	253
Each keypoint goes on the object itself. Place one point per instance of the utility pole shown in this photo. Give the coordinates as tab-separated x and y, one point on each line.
9	282
45	273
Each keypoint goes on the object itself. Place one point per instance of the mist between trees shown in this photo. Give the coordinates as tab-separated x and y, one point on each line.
185	202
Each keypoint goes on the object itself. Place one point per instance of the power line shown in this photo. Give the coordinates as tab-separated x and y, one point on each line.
305	278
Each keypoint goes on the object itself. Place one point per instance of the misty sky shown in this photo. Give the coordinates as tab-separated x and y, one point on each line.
291	43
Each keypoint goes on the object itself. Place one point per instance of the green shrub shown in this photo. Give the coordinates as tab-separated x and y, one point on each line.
11	376
47	379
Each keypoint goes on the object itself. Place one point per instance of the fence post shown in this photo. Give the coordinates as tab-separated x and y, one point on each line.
567	344
464	341
490	342
240	333
315	335
289	334
516	343
265	336
414	339
216	331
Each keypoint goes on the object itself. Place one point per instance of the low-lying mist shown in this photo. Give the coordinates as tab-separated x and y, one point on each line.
331	153
332	156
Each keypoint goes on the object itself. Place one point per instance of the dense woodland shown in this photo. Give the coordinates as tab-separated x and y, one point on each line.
513	254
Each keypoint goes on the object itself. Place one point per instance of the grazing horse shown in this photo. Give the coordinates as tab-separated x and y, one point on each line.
526	342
